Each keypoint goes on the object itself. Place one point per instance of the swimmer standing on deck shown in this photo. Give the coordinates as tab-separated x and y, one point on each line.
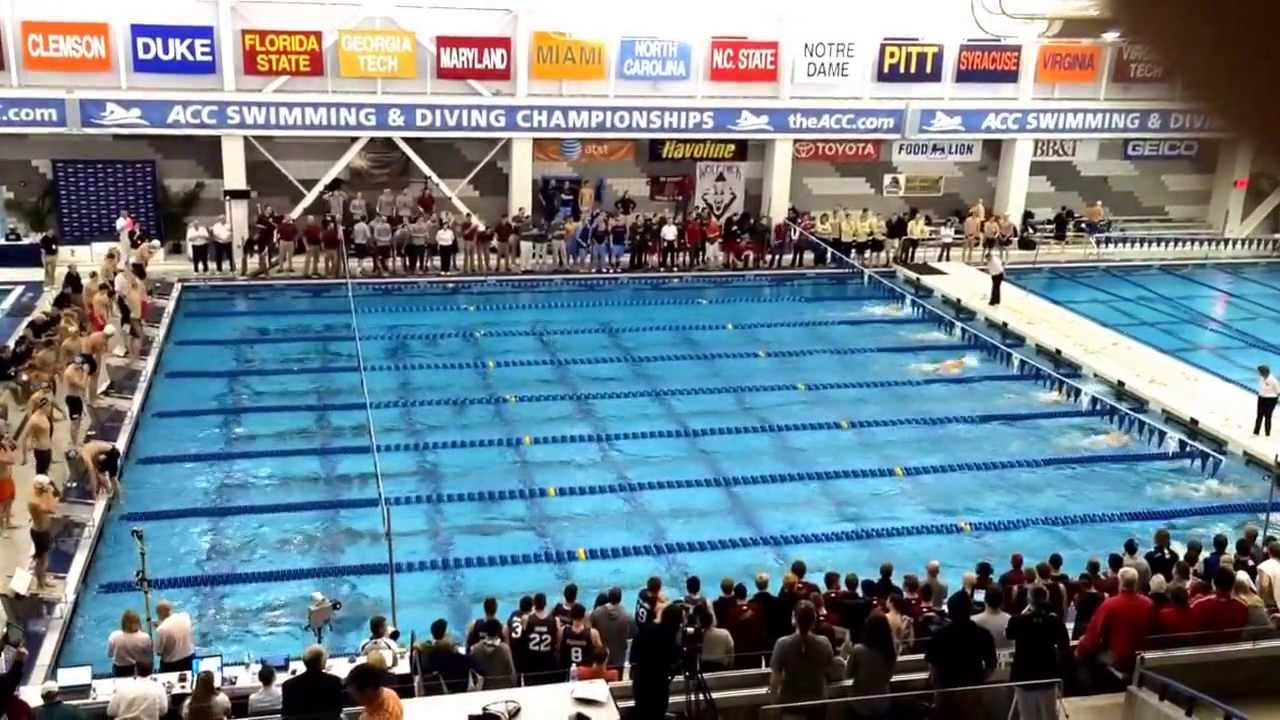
43	507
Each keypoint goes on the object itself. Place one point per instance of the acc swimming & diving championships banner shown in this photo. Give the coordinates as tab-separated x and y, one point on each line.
1090	122
568	120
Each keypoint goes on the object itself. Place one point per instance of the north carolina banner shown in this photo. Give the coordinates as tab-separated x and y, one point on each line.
1137	63
377	54
909	62
654	59
557	56
282	52
583	150
1078	64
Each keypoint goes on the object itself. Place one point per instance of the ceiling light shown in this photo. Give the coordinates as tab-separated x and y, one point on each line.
1111	35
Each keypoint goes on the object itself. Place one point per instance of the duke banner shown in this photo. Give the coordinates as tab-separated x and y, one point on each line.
1094	122
720	188
174	49
555	120
654	59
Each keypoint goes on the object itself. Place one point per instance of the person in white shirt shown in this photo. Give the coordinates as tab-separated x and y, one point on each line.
1268	391
385	204
129	646
359	207
124	225
382	640
445	243
337	201
946	237
1269	575
360	234
994	620
174	638
221	233
267	700
198	240
668	235
995	268
139	697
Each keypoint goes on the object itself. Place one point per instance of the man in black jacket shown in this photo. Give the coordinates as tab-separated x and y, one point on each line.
1041	650
315	694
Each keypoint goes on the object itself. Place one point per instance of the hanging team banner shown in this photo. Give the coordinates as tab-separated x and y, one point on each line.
982	63
737	60
1012	122
282	52
557	56
583	150
654	59
1147	149
1137	63
473	58
1069	64
666	188
825	62
904	185
173	49
720	188
937	150
909	62
377	54
675	150
1064	150
836	151
73	47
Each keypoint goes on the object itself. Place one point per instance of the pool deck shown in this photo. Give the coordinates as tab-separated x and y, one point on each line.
1221	408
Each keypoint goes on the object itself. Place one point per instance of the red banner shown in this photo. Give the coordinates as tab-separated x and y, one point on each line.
1137	63
282	52
473	58
837	150
744	60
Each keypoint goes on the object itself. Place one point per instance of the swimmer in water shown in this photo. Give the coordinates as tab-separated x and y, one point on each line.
1113	439
950	366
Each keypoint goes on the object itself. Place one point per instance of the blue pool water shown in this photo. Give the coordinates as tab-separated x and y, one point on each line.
256	402
1223	318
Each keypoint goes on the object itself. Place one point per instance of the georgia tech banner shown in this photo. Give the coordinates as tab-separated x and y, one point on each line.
557	56
377	54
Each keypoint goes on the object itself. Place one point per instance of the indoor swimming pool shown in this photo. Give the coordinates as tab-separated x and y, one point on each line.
534	433
1222	318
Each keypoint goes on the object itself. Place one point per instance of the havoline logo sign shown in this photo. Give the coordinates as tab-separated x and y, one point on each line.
723	150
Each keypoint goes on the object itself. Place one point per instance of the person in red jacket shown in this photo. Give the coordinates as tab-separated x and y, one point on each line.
1175	621
1120	627
1220	614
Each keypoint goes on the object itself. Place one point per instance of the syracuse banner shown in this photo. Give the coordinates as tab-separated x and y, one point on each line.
669	150
66	46
377	54
1094	122
282	52
583	150
827	62
1069	63
174	49
836	151
982	63
654	59
566	119
473	58
1137	63
909	62
557	56
736	60
25	113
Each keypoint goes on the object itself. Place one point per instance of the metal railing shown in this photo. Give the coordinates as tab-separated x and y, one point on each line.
1190	700
988	700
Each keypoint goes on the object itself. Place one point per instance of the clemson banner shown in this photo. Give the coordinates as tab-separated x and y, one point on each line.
557	56
66	46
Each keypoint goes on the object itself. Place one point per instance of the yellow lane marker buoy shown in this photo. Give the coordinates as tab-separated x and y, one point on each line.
844	424
582	553
899	471
551	491
801	387
528	439
965	526
511	398
728	326
490	364
761	353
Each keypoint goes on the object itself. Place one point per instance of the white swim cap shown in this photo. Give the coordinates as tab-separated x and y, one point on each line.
317	598
155	244
41	480
109	330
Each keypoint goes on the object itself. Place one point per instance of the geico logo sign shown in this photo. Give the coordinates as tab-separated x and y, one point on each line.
1162	148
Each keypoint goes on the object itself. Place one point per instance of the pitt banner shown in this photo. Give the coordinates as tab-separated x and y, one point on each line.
377	54
1078	64
909	62
66	46
556	56
282	52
